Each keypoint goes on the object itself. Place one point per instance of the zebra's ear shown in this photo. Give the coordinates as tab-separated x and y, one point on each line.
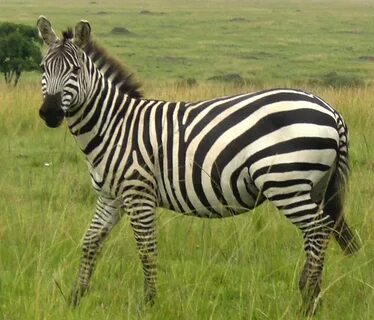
45	31
82	33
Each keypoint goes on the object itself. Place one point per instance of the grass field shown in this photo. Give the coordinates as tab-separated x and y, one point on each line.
265	42
241	268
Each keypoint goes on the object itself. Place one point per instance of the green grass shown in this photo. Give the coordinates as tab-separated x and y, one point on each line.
265	42
241	268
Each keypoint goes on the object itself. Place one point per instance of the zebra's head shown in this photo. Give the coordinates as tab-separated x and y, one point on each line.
64	72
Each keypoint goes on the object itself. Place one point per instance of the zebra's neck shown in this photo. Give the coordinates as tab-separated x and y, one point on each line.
92	122
113	70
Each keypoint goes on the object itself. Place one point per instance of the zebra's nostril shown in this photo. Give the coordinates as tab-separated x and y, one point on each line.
42	114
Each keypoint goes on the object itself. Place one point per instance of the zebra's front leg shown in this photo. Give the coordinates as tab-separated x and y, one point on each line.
142	219
105	218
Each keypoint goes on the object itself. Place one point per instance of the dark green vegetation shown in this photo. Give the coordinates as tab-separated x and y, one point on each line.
19	51
241	268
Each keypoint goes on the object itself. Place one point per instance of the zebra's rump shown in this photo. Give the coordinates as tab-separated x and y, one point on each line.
217	157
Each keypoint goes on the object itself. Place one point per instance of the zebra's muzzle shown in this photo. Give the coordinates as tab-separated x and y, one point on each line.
51	111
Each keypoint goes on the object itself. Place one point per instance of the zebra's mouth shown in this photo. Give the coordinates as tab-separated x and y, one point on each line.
53	123
53	119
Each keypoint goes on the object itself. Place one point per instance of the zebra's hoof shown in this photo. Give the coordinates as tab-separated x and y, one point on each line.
150	299
76	296
309	309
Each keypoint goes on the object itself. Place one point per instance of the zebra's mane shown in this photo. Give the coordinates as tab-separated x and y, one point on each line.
113	70
67	35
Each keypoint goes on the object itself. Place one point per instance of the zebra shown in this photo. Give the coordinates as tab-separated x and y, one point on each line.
212	159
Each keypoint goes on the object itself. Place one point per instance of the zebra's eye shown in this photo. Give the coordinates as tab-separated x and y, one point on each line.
76	69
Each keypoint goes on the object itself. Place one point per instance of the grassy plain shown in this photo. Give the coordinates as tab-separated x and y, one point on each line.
241	268
266	42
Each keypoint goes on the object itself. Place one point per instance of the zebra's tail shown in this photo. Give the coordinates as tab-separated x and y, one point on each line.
334	196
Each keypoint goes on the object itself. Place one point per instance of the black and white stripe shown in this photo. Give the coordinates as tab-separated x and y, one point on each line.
213	159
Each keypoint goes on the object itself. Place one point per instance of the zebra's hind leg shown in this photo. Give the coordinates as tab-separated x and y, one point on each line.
105	218
316	227
316	237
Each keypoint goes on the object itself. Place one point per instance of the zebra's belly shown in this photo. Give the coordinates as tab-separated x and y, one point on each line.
226	201
219	211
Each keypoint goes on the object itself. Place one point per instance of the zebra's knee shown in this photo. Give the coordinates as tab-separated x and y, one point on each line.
94	238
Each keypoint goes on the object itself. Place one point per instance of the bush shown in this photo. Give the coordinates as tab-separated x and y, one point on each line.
19	50
233	78
120	31
336	80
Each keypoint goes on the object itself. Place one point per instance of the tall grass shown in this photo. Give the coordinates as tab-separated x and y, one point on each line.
245	267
